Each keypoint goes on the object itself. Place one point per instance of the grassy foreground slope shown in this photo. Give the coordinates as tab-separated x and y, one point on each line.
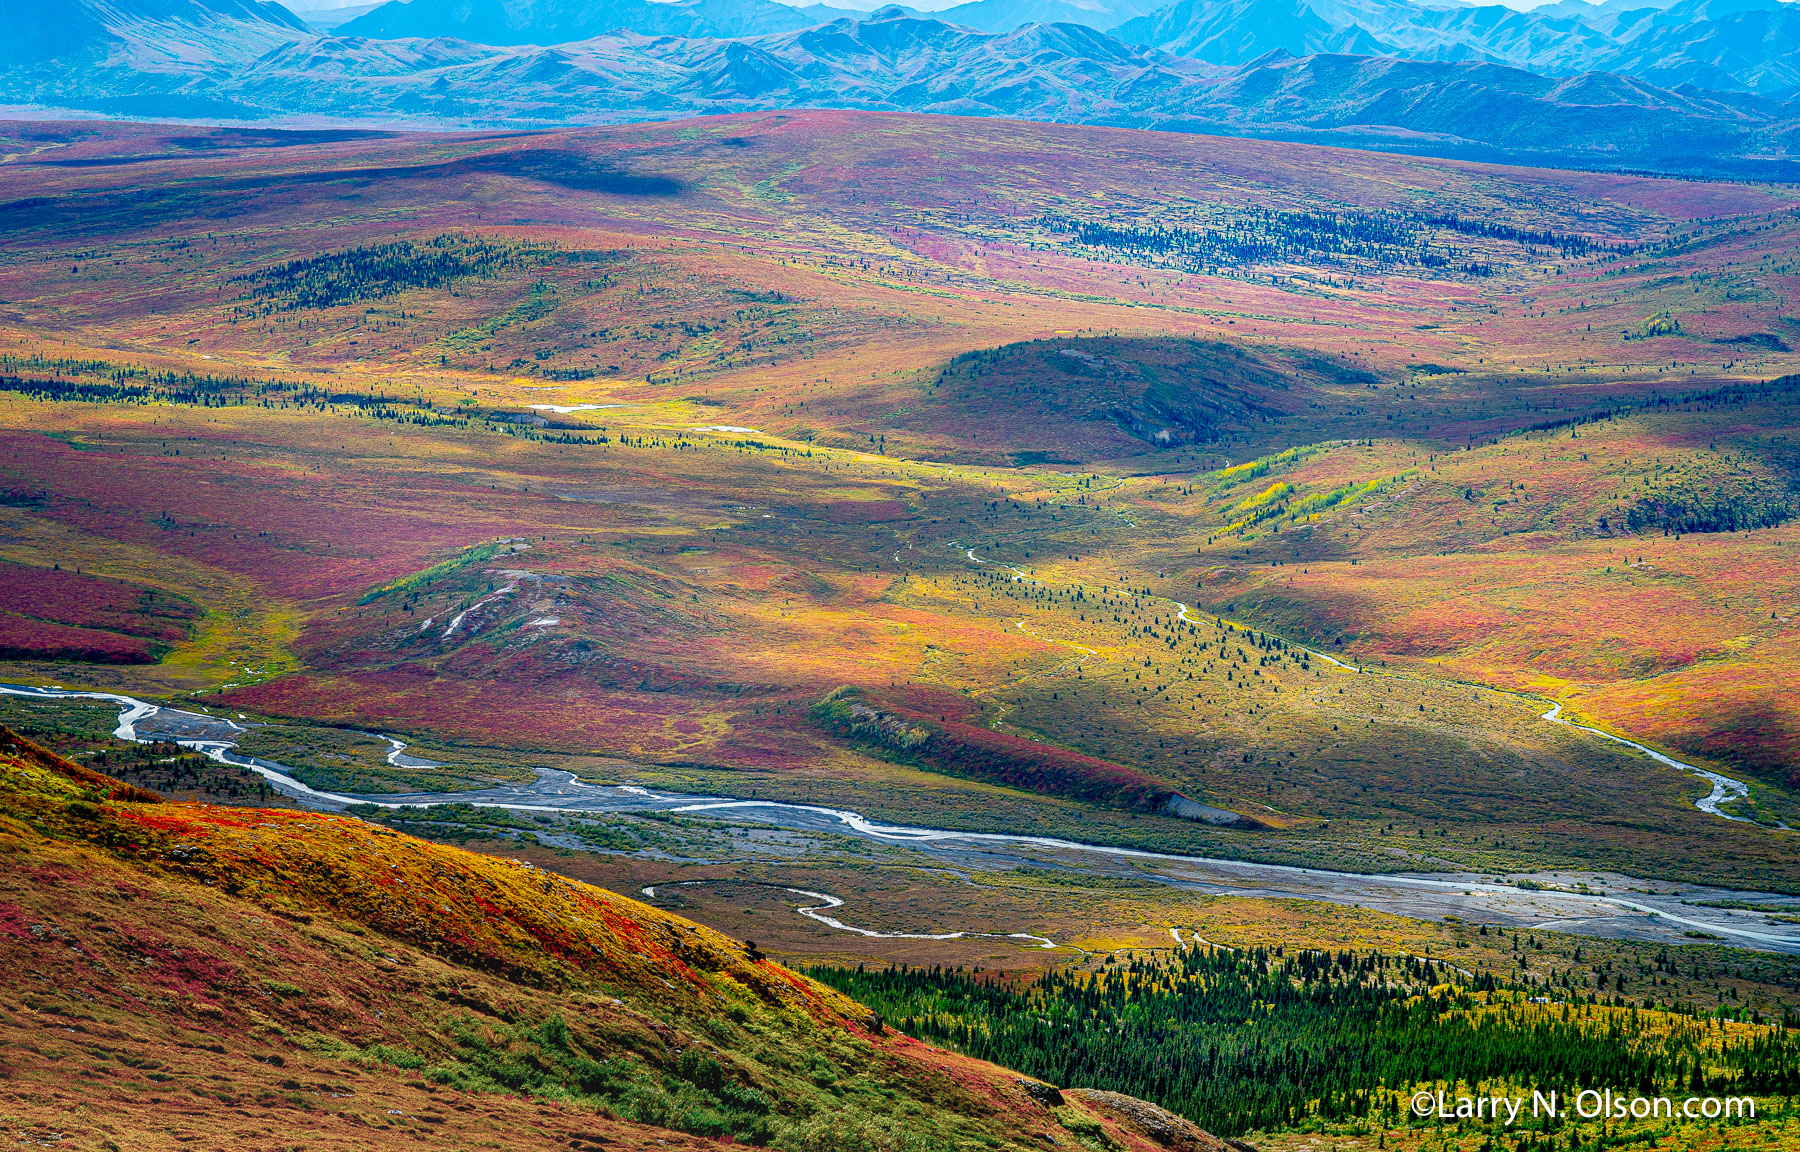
254	978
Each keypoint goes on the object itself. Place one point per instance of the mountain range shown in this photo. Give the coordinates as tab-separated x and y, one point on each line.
1327	71
507	22
1746	45
562	21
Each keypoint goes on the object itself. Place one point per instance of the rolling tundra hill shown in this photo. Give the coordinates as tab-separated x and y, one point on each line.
224	976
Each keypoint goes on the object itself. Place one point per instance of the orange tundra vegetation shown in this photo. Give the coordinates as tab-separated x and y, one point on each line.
1501	564
366	989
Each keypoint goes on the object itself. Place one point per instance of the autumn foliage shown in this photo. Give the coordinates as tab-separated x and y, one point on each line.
903	727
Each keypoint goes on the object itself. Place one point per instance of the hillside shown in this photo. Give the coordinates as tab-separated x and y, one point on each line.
223	975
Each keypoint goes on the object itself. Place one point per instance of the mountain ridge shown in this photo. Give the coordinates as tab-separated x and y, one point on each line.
1725	45
551	22
235	66
1244	31
148	32
1745	45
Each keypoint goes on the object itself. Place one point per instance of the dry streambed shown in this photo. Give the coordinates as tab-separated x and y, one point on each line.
1593	904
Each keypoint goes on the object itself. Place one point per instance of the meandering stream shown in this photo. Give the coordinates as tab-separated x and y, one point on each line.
1613	905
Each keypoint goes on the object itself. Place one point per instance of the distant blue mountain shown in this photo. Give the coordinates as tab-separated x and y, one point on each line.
43	30
1005	15
1748	45
509	22
1239	31
1287	69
